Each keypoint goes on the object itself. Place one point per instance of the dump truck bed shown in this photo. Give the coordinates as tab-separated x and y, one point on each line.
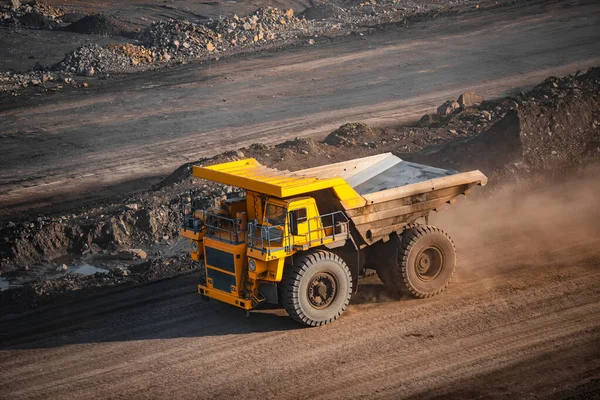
380	194
377	173
396	192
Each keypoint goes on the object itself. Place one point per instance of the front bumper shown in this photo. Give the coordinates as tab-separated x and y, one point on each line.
245	304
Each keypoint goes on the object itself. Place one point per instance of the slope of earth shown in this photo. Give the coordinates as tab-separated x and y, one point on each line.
141	13
115	138
24	48
524	304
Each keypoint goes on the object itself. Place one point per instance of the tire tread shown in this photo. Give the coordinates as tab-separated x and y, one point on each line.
291	282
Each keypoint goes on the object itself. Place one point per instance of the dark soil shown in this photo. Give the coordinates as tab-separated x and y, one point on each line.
324	10
99	24
36	20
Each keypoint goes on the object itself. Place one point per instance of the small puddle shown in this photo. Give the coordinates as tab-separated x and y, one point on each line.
82	269
87	269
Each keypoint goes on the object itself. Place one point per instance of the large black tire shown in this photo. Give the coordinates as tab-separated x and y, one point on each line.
426	260
317	288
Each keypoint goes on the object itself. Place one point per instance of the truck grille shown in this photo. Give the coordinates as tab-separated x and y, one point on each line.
221	280
219	258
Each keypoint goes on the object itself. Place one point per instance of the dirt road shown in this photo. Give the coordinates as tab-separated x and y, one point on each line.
519	321
119	135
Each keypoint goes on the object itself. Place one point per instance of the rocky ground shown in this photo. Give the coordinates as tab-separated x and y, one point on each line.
523	303
549	131
165	43
97	291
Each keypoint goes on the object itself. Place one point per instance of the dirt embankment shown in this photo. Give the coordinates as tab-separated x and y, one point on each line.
164	43
552	130
554	127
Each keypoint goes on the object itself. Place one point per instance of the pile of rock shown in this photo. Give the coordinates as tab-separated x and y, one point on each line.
136	54
32	14
172	37
263	25
465	100
184	39
469	114
350	134
91	59
553	89
180	41
13	82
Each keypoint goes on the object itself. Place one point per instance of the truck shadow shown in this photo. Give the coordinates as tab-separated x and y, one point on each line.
222	320
169	309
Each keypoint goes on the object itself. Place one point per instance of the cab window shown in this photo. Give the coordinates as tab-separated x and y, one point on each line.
274	214
297	217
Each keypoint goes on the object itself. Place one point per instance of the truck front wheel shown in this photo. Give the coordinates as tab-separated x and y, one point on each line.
426	262
317	289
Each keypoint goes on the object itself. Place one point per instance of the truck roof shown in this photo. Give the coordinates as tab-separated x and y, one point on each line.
249	174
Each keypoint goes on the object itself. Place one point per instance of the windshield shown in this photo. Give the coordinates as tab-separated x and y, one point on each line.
275	215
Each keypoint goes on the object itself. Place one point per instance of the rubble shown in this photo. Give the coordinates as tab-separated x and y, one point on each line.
13	82
348	134
448	107
101	59
31	14
172	41
132	254
182	39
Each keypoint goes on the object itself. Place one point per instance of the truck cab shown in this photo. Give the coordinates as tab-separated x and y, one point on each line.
244	257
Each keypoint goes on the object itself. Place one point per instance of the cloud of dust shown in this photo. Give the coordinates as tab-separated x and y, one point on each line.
521	225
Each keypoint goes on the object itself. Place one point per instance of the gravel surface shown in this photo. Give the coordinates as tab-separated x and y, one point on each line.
97	292
500	319
176	41
108	140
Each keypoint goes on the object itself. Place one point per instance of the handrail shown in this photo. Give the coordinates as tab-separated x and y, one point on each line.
268	238
266	243
191	223
216	224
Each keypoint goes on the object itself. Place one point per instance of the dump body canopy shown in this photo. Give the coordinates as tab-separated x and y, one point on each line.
380	194
249	174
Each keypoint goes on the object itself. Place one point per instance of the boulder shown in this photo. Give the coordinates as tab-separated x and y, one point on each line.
448	107
469	99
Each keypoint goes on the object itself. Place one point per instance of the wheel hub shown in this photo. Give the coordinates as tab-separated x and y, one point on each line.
429	263
322	289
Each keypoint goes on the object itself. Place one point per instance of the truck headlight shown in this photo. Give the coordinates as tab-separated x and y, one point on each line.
194	246
252	265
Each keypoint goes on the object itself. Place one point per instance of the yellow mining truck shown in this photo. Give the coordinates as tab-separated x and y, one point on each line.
303	239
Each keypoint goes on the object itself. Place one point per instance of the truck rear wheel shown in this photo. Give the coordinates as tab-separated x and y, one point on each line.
426	262
317	289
